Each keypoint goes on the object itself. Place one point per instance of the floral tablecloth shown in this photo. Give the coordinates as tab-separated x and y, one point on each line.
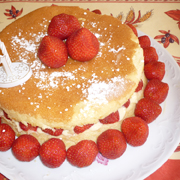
160	19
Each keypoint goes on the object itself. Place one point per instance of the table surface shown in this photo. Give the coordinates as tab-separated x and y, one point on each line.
157	18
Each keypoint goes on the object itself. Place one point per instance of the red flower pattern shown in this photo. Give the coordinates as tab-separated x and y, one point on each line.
174	14
13	13
166	38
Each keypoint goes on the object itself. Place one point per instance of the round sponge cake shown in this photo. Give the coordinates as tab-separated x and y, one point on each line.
78	93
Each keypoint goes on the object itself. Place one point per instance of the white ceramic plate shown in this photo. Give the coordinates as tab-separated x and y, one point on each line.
136	163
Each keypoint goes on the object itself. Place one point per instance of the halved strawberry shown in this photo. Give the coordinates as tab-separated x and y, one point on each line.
154	70
28	127
112	118
53	52
147	109
63	25
53	153
150	54
156	90
126	105
144	41
140	86
56	132
7	137
83	153
82	45
111	143
6	116
25	148
135	130
81	129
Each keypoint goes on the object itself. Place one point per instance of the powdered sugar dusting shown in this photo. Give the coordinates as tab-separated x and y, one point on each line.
100	91
28	46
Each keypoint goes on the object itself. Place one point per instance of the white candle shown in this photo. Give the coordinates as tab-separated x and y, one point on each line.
5	60
12	73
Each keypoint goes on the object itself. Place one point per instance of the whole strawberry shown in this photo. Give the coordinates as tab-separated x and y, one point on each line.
144	41
53	52
154	70
112	118
63	25
26	148
147	109
111	143
7	137
83	153
53	153
156	90
135	131
82	45
150	54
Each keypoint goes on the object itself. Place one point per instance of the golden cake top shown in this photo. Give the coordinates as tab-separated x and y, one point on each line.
79	92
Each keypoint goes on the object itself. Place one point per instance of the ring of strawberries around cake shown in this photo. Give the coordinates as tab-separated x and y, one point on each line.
80	138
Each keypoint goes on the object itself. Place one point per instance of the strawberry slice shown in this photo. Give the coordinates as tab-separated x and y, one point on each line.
147	109
150	54
57	132
144	41
156	90
53	52
63	25
82	45
25	148
112	118
140	86
7	137
154	70
6	116
53	153
126	105
83	153
111	143
81	129
28	127
135	131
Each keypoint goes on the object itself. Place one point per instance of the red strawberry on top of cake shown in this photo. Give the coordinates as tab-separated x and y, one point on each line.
53	52
63	25
82	45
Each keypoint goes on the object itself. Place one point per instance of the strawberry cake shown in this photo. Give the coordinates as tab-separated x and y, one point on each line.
72	102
